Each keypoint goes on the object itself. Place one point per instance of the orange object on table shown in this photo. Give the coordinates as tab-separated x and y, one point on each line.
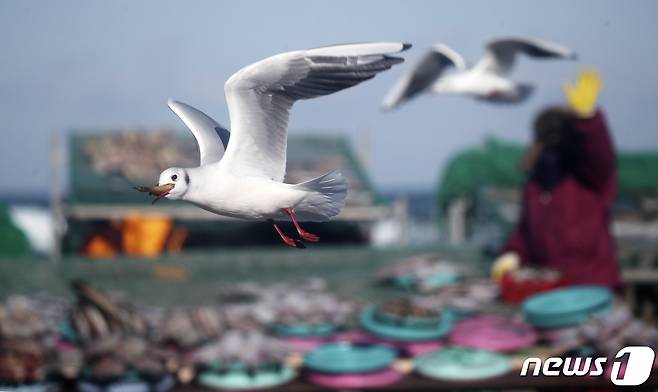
145	235
99	247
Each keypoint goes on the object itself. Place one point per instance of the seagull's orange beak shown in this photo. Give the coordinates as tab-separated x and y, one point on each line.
159	191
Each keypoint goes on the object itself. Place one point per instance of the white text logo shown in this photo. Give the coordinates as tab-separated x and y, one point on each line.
638	366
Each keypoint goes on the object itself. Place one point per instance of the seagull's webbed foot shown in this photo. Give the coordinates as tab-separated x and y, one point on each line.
308	236
305	235
292	242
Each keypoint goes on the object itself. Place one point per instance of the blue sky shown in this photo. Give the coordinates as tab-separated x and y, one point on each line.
113	64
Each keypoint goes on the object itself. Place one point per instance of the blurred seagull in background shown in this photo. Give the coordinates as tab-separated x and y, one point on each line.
486	80
243	178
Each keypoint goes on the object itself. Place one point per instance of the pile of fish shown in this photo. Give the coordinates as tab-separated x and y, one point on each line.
136	155
107	338
404	311
283	304
101	338
605	333
469	296
23	342
185	329
252	349
418	272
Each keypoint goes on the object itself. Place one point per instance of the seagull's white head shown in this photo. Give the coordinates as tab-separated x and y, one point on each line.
179	178
172	185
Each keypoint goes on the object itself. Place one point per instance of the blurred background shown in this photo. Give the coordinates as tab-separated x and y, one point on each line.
83	91
84	88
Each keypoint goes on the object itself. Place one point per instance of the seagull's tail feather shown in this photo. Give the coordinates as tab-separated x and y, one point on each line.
325	199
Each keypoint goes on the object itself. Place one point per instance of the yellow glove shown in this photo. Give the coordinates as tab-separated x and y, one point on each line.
583	95
505	263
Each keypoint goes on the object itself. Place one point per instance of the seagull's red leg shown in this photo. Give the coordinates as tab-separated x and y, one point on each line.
286	240
302	233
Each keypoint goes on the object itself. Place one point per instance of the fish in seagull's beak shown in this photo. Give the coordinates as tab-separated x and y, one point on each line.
159	191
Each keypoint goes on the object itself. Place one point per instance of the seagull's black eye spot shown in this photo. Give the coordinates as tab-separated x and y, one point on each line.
174	177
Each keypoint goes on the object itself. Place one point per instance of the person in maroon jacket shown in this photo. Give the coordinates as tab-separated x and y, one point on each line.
565	218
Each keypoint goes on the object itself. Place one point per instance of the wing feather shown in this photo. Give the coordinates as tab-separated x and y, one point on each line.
501	53
211	137
423	75
261	95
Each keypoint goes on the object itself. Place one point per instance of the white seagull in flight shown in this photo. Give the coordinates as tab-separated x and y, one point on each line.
243	178
486	80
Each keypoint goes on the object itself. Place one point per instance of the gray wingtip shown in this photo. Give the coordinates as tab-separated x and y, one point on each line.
393	60
406	46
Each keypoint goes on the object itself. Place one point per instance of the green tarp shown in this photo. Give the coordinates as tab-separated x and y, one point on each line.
12	240
496	163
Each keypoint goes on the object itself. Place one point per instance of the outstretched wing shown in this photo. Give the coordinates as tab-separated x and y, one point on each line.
261	95
501	53
211	137
423	75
